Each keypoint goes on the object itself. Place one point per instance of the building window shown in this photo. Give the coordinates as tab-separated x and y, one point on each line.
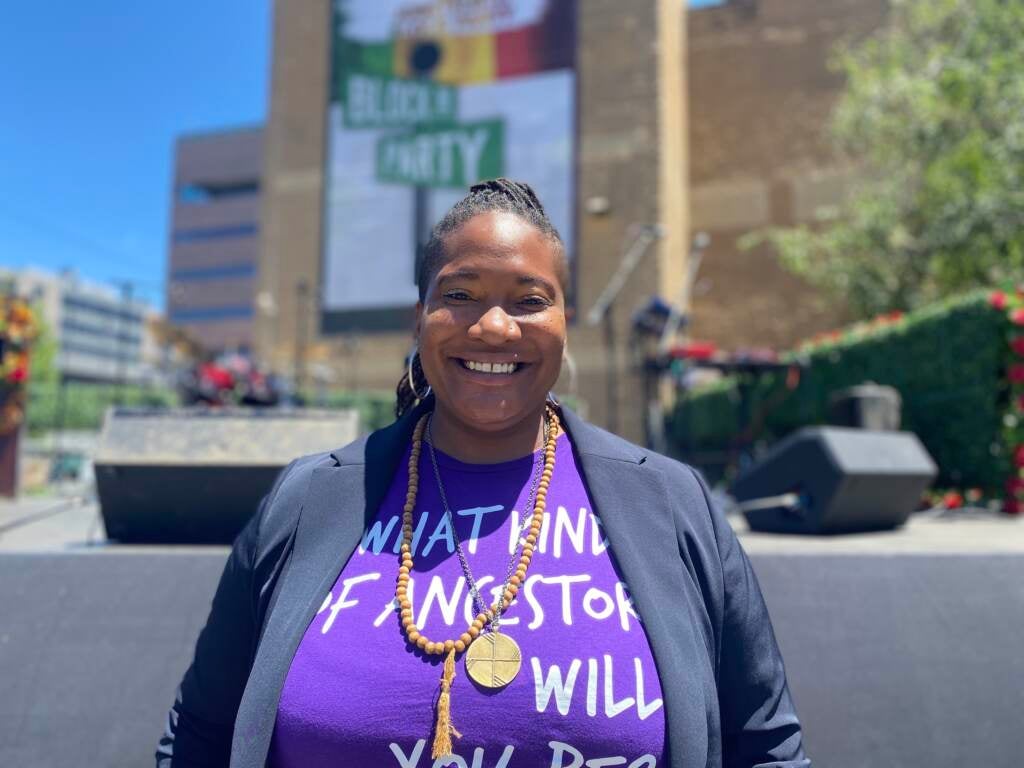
195	194
112	310
214	233
91	350
99	332
214	273
208	314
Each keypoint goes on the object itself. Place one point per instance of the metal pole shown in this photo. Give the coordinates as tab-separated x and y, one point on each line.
122	333
611	375
301	294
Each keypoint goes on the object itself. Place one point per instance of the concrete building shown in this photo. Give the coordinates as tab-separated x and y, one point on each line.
100	333
214	236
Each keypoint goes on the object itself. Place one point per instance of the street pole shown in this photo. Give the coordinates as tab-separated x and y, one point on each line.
612	375
122	332
301	296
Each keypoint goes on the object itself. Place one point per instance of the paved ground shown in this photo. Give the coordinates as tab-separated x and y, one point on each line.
68	521
71	522
923	534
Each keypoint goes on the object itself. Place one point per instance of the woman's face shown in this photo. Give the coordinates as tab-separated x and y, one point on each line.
495	303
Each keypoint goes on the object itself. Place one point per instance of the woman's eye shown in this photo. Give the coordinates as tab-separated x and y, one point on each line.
535	301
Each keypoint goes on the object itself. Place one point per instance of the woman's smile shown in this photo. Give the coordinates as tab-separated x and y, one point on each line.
488	372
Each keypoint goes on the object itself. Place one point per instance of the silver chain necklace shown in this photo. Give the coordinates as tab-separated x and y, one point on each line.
527	519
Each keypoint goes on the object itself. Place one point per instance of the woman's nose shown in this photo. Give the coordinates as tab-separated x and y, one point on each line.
496	327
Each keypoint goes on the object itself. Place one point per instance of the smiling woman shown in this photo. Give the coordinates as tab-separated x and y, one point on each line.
490	327
600	605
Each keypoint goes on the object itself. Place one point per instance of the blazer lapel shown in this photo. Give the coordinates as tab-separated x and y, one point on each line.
632	502
324	540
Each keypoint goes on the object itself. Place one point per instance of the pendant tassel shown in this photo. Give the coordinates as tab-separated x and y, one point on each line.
444	730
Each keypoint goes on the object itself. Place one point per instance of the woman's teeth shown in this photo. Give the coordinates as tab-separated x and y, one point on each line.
490	367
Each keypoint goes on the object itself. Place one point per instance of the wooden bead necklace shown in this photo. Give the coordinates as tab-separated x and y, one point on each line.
444	729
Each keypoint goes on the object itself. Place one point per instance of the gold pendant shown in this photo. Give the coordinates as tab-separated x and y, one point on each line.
493	660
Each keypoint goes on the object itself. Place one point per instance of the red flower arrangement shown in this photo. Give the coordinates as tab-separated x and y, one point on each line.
860	330
18	330
1010	302
952	500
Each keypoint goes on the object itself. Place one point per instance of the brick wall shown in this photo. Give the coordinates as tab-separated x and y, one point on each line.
760	96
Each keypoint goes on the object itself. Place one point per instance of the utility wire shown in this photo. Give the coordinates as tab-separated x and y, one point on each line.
77	239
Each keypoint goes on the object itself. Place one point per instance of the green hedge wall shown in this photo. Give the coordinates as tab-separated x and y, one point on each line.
85	404
376	408
948	362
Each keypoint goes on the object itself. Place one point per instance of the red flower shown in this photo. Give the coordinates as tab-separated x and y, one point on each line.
997	299
1017	316
1011	506
1018	456
952	500
1016	373
1014	487
19	374
895	316
1017	344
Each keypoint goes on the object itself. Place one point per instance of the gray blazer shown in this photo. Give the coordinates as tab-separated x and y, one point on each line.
721	674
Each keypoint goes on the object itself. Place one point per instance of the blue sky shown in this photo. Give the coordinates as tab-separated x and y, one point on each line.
94	94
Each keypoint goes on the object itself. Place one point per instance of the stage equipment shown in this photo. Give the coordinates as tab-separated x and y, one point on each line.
868	406
197	475
867	640
835	480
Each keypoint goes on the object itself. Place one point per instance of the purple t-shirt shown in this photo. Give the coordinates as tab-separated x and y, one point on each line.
587	693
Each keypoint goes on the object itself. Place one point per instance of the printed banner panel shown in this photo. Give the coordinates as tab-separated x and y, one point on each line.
426	99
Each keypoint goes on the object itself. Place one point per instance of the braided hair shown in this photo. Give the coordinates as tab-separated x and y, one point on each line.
505	195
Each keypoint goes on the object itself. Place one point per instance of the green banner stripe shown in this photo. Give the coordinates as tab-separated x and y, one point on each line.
453	156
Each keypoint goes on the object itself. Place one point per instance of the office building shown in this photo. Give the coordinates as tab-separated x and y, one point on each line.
214	237
99	330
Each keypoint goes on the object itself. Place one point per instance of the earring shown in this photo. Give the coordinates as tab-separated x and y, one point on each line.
412	386
570	363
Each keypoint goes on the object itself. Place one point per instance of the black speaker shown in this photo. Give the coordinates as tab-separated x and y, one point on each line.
838	480
868	406
197	475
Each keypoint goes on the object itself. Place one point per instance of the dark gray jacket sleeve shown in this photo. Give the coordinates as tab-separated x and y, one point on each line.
760	727
200	723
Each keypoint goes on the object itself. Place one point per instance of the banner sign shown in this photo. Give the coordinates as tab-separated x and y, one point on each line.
427	98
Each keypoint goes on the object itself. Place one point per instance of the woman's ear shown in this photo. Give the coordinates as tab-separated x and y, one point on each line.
416	329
